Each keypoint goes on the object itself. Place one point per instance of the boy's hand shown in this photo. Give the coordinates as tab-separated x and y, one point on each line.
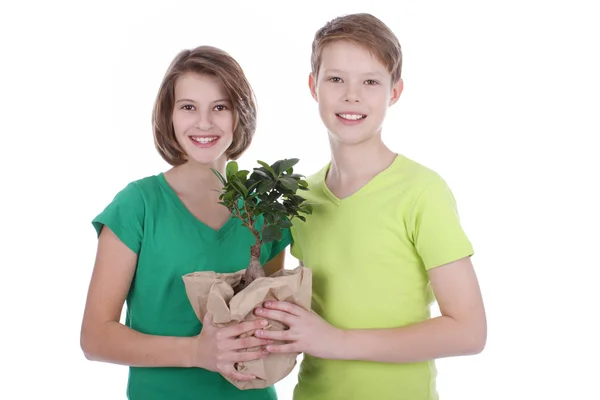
219	349
308	332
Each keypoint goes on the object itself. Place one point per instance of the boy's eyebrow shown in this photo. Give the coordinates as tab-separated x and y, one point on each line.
337	71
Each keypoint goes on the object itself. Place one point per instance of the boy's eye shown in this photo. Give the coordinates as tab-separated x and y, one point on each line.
371	82
221	107
335	79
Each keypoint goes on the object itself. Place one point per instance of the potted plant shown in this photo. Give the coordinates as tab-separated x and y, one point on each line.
265	201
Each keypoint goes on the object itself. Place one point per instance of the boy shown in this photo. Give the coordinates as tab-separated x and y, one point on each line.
383	239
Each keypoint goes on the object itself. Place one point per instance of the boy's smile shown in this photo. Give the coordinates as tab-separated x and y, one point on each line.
350	118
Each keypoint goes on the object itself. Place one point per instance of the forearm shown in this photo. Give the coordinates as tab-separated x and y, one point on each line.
116	343
431	339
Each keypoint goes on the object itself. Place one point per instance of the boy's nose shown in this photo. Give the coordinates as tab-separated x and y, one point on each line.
351	96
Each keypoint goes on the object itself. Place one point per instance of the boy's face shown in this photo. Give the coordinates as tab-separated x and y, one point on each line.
354	91
202	118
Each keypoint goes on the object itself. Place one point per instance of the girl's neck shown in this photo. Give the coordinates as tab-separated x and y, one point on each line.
196	179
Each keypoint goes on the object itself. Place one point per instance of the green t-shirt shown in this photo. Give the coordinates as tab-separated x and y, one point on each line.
148	216
369	254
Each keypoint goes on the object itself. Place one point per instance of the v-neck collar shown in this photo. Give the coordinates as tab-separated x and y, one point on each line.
218	233
338	201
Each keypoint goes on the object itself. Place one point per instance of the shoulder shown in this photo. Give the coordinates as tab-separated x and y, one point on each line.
319	176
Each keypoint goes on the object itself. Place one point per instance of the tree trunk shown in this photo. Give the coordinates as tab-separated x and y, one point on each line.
255	269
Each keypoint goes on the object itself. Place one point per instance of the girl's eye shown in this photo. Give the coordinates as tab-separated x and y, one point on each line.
188	107
371	82
335	79
221	107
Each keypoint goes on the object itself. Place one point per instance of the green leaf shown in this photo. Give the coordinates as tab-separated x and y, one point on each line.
289	183
268	168
242	174
257	171
231	169
271	233
284	223
218	174
240	187
265	186
288	163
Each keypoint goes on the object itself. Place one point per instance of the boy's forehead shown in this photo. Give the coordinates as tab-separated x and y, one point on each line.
348	57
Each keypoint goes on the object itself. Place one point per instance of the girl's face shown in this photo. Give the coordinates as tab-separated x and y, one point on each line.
203	118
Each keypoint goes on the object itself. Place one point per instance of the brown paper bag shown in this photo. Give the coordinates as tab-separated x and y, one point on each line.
213	292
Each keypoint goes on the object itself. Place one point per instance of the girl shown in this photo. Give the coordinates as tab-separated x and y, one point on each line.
161	227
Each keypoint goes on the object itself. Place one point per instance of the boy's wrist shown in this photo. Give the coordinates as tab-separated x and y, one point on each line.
340	345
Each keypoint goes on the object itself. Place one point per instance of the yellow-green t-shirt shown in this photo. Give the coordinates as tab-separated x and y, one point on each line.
369	254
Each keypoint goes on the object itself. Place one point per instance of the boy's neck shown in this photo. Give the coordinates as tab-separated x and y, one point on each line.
352	166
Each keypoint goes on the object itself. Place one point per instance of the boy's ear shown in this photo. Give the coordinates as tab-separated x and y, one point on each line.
397	91
312	85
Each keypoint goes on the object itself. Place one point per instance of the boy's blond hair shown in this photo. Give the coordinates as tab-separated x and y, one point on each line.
364	30
212	61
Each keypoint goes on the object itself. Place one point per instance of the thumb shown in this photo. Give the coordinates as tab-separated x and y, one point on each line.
207	321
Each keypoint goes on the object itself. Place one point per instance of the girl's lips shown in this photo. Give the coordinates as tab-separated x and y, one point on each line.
205	145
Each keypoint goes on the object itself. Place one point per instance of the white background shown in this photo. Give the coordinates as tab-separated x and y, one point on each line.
501	98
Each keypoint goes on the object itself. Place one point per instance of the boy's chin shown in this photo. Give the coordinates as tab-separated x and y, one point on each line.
352	138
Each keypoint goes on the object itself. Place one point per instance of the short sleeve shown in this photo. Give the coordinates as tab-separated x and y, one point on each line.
435	226
279	245
295	249
125	217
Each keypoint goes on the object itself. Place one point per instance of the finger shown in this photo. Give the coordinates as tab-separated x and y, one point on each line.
281	316
207	319
283	348
284	306
242	356
230	372
285	335
249	343
243	327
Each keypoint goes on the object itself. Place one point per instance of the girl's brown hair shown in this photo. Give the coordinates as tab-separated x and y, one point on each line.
212	61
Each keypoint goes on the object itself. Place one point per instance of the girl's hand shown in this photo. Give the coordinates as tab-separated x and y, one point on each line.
219	349
308	332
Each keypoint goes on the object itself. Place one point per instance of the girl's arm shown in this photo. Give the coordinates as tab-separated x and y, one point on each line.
104	338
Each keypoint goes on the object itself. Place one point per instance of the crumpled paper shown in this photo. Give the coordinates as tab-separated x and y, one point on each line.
213	292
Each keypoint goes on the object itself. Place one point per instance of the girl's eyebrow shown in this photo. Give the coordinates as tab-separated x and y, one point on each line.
192	101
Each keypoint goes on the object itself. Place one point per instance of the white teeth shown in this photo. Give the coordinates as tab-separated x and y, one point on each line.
353	117
204	140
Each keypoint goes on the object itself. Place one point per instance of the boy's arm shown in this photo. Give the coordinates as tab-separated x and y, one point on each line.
460	330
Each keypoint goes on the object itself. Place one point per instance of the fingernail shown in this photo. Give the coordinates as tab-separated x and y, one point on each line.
259	310
258	332
266	352
268	304
264	322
